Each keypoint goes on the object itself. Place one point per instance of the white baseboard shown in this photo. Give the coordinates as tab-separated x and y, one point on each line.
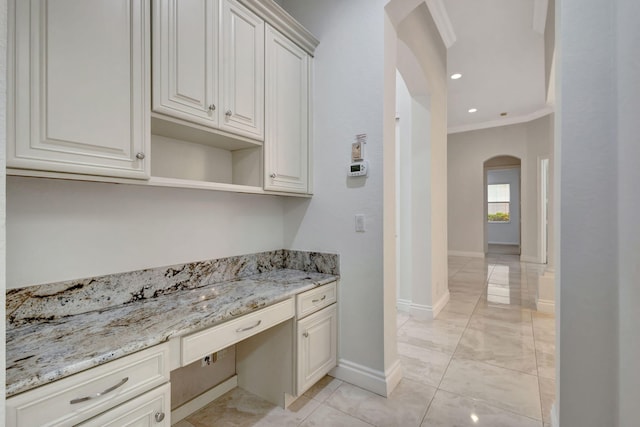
439	305
403	305
375	381
546	306
554	416
393	376
203	400
528	258
429	312
466	254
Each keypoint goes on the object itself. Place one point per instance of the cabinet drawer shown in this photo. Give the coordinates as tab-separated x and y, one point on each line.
151	409
105	386
315	299
198	345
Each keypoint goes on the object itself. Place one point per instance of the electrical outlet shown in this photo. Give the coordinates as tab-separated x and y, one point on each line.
208	360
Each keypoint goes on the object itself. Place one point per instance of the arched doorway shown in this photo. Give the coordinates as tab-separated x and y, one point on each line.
502	205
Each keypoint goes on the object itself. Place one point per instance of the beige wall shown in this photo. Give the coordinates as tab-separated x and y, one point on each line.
467	151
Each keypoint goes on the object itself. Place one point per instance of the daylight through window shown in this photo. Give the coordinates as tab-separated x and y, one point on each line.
498	198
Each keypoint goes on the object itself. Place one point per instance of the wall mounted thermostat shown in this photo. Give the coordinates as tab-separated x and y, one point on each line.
359	168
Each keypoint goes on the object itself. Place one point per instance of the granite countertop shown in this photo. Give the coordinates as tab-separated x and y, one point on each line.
41	352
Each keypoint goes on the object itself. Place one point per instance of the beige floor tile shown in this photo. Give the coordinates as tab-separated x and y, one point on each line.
422	364
321	390
447	315
505	350
452	410
484	323
435	334
182	423
545	340
547	397
327	416
401	319
405	407
510	390
239	408
546	364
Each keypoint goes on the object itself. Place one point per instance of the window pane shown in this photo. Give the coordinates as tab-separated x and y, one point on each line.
498	212
498	193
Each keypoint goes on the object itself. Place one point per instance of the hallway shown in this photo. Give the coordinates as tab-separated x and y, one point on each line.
488	360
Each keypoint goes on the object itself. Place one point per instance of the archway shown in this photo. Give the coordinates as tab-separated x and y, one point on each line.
502	205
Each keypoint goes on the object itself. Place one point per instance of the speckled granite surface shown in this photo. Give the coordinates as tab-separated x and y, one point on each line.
51	344
56	300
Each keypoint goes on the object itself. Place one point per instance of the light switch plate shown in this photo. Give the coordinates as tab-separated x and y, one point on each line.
360	223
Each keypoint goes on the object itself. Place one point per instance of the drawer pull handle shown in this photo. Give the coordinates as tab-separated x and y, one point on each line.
102	393
248	328
305	334
319	299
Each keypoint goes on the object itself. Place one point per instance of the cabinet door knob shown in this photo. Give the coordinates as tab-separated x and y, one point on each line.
212	107
273	175
159	416
140	156
306	334
229	113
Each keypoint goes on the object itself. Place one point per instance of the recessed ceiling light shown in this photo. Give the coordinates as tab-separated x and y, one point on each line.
456	76
473	110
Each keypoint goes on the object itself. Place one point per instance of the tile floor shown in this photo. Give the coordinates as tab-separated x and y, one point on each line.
487	360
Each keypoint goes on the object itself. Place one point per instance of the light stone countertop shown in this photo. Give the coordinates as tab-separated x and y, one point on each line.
46	351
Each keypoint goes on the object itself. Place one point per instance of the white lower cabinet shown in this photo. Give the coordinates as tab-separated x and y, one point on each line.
316	349
75	399
152	409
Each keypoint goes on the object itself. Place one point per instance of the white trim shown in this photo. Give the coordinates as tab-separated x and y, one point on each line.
503	243
203	400
429	312
403	305
529	258
546	306
393	376
467	254
362	376
438	306
443	23
554	416
543	199
503	122
540	15
280	19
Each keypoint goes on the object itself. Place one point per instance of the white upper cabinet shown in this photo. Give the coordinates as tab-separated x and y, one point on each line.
242	70
185	59
286	143
79	98
208	64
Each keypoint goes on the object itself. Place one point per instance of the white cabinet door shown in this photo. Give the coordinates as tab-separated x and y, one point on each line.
152	409
185	59
317	344
287	115
80	98
242	71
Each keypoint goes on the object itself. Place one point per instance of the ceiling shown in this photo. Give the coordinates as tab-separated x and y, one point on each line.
498	47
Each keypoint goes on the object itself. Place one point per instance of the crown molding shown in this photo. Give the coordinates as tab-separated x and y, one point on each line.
503	122
279	19
540	15
441	18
